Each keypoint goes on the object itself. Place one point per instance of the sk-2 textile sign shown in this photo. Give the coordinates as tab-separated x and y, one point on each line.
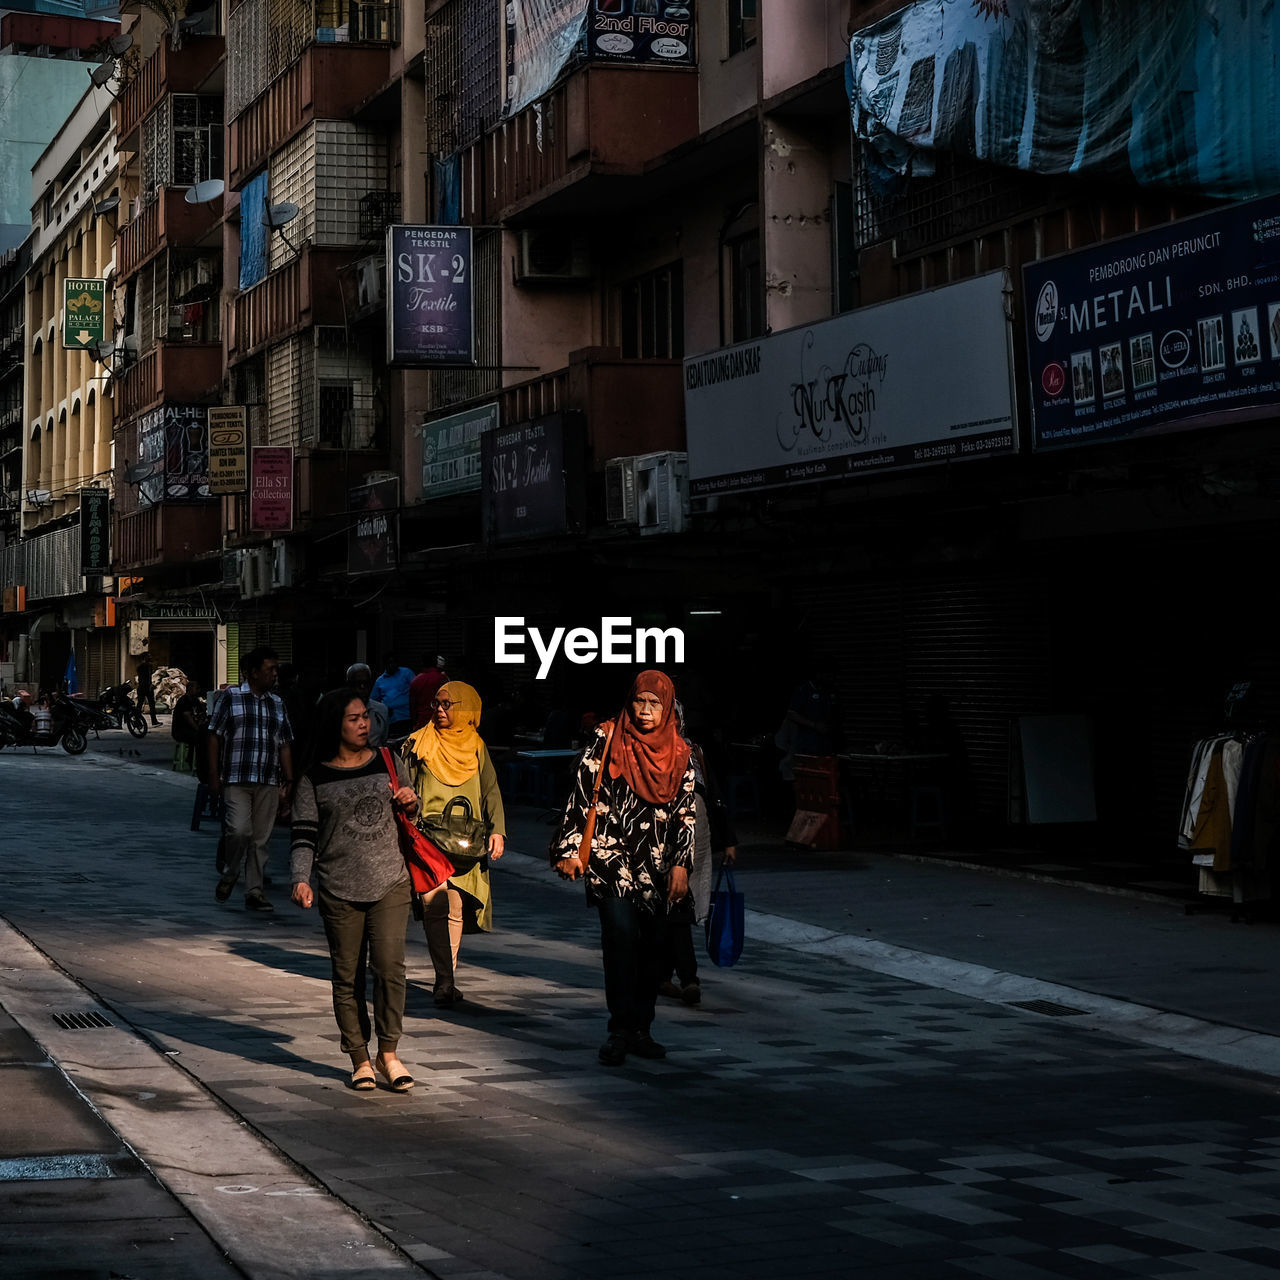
228	449
271	494
84	313
451	451
532	477
95	532
430	312
653	31
373	510
1165	329
922	379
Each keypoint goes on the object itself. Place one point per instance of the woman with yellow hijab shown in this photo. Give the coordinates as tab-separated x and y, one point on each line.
448	758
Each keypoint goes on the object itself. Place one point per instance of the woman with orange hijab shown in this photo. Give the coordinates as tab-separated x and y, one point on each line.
448	758
636	776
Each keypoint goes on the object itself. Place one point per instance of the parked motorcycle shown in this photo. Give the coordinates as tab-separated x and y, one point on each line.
56	726
117	705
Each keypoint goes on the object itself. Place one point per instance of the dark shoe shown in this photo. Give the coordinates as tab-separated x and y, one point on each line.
669	989
255	901
691	994
613	1053
643	1045
267	881
447	999
223	890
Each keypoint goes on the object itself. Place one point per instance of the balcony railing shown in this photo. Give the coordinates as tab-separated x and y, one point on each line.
167	534
167	222
181	372
602	121
166	71
303	292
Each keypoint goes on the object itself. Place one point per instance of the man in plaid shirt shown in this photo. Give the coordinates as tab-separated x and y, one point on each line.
251	766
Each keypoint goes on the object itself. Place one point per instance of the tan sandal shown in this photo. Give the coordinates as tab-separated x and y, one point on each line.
395	1075
363	1078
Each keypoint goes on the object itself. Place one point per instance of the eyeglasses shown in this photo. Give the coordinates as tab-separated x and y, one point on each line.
442	704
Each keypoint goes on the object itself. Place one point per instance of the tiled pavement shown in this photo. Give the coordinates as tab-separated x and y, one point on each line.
812	1118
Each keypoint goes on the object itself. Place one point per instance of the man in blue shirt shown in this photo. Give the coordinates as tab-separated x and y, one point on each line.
392	687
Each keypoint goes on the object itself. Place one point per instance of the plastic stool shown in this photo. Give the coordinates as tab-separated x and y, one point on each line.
928	812
184	760
744	796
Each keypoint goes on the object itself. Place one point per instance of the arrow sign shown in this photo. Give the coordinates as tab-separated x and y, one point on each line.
83	337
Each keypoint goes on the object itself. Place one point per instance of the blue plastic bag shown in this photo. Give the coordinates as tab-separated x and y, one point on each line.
726	921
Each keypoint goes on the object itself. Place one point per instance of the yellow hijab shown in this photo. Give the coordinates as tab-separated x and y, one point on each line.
452	755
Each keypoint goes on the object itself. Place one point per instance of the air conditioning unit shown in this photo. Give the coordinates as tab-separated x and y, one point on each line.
620	491
662	492
547	253
704	506
286	563
255	572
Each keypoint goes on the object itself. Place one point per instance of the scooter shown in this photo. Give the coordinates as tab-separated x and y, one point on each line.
117	706
54	727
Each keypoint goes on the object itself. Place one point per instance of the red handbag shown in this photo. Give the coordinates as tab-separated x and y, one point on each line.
428	867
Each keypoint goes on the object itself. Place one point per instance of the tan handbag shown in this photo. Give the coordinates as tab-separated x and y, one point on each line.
584	849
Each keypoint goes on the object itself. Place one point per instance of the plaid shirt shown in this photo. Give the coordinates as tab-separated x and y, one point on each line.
253	728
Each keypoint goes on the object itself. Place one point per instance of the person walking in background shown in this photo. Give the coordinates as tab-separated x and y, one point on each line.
146	689
392	687
360	680
448	758
422	692
636	776
344	834
713	833
251	769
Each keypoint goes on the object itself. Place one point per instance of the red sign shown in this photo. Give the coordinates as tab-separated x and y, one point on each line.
271	490
1053	379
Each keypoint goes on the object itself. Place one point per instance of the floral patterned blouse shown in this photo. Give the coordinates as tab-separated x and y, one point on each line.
635	843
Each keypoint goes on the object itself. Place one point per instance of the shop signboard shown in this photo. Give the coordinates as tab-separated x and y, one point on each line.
271	494
914	382
228	449
95	532
84	312
659	32
451	451
531	478
430	311
1162	330
373	513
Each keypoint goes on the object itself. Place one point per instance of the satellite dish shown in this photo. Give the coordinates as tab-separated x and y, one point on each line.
140	471
107	205
101	351
279	215
101	74
131	345
188	24
205	192
120	44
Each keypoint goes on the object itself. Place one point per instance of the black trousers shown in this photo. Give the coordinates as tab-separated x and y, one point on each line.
633	946
147	697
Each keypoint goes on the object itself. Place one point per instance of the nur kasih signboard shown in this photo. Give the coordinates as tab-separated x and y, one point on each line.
430	311
1166	329
921	380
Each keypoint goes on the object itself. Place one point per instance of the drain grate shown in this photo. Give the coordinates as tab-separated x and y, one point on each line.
1047	1007
80	1021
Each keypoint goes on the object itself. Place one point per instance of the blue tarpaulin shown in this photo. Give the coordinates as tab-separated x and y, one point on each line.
253	235
1180	94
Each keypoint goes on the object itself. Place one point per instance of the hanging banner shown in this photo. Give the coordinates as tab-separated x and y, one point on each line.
374	513
653	31
95	532
84	312
1164	329
542	37
228	449
271	494
1180	94
451	451
924	379
186	442
430	313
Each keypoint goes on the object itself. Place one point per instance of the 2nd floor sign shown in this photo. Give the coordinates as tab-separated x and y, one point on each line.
84	313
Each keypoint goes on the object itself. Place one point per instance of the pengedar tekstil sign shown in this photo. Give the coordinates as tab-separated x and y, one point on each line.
1159	331
430	308
271	493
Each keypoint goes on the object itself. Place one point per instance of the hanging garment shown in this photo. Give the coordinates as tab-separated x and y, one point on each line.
1213	821
1200	758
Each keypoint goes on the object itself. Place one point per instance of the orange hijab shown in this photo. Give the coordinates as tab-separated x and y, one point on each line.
453	755
652	763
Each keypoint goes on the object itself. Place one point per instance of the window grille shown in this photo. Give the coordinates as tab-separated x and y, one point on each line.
453	386
378	211
650	311
463	86
181	143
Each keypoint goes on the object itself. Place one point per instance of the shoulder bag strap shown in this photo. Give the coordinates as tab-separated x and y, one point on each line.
389	761
588	831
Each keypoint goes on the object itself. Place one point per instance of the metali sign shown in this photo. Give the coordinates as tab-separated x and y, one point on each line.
84	312
95	532
451	451
228	449
430	310
271	496
1166	329
921	380
653	31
